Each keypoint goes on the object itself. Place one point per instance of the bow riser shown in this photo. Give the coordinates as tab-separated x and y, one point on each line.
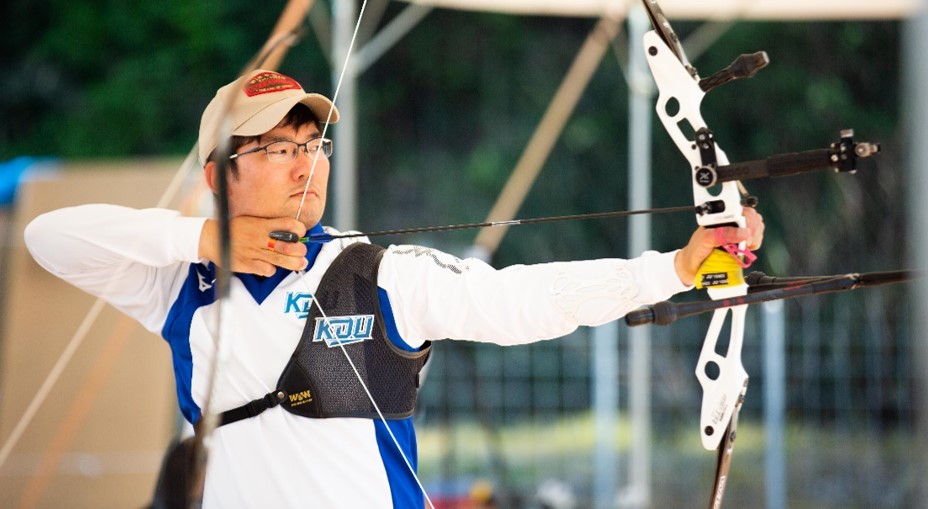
678	107
722	377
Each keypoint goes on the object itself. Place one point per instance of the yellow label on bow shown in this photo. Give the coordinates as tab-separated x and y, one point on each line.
720	270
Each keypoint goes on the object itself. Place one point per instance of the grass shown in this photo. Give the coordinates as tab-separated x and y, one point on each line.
827	467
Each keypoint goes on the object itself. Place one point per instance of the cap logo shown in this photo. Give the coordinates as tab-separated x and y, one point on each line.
267	82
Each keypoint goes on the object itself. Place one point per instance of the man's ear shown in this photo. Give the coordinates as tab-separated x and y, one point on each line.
212	179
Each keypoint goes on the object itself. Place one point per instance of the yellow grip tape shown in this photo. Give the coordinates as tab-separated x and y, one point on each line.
720	270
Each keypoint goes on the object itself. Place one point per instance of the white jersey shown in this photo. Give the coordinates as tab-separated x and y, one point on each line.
145	263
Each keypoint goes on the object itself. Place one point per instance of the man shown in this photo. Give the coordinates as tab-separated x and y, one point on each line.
319	441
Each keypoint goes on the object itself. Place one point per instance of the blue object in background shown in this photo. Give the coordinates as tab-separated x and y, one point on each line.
10	173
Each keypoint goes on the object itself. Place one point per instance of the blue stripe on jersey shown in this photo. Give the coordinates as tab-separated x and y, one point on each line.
389	322
404	490
197	291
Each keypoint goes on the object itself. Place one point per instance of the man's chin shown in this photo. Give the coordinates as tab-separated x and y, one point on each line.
309	220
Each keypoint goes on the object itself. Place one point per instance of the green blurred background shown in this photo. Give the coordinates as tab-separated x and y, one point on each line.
444	116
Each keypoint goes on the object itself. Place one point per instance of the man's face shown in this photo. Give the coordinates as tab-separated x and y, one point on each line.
270	189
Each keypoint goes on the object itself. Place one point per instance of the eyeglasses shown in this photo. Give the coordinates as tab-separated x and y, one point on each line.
284	151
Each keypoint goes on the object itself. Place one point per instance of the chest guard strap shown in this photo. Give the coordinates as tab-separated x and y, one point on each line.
318	381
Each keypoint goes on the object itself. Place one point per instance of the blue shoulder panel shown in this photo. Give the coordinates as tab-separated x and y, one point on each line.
198	291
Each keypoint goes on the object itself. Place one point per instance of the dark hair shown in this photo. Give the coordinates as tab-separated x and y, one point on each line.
298	116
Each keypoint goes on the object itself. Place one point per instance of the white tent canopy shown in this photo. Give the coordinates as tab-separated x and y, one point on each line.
690	9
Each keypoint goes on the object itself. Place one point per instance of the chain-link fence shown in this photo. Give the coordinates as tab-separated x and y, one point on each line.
517	422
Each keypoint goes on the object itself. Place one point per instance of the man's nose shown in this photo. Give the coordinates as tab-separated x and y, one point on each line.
304	161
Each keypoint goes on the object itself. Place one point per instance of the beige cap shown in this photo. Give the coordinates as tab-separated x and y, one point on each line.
259	101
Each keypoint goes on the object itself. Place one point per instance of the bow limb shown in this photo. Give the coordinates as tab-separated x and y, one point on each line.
269	57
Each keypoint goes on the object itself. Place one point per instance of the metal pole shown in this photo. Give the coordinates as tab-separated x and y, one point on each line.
388	36
344	163
605	337
639	190
915	69
775	404
605	409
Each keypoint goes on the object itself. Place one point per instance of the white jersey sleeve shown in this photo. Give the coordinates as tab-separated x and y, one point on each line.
436	296
133	258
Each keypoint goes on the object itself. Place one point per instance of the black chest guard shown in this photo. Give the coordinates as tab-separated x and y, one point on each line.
318	381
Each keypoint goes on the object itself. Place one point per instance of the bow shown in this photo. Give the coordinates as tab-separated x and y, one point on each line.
721	375
719	200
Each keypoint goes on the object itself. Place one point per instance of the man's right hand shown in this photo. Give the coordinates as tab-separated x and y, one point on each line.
253	250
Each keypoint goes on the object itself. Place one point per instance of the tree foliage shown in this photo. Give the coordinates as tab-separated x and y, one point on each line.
445	115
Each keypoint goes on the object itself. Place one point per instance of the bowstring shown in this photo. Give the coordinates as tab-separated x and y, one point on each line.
302	273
